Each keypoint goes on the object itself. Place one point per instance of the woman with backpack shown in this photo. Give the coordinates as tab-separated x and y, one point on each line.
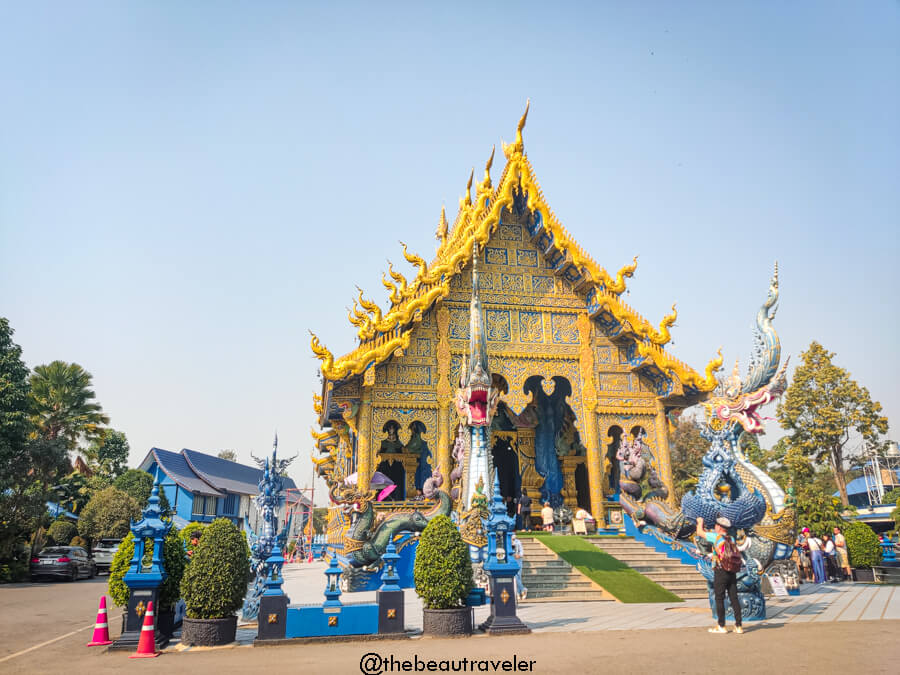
727	563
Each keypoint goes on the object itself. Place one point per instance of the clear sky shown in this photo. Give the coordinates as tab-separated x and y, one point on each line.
186	188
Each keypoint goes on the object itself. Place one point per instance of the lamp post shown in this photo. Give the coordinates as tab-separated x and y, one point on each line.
390	595
501	567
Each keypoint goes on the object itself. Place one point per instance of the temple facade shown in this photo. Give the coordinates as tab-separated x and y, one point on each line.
579	373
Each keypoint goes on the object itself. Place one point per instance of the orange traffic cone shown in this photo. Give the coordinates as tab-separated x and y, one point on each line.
147	642
101	628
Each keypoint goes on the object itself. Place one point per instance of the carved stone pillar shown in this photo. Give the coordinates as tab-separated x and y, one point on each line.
442	453
589	418
662	450
364	449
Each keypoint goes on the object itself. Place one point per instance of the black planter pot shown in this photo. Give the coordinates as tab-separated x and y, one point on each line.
863	574
448	622
208	632
165	624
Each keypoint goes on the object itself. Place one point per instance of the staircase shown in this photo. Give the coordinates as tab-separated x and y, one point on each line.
681	579
549	578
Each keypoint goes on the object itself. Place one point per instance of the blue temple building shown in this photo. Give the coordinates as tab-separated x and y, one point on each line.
201	488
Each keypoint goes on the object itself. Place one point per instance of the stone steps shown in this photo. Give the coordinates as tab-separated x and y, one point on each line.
549	578
676	577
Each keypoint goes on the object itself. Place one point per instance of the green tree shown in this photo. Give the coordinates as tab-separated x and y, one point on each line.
62	531
823	408
686	447
442	571
63	403
230	455
108	514
13	404
73	492
108	454
215	581
138	484
320	519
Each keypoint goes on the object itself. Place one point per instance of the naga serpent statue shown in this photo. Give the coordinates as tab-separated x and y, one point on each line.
366	540
729	484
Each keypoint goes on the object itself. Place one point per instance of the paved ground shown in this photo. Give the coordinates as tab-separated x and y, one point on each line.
841	628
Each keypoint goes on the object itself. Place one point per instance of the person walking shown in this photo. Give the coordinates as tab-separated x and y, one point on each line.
524	509
843	555
547	517
831	567
727	563
519	555
816	556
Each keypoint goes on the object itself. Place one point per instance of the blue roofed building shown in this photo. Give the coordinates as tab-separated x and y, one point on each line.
201	487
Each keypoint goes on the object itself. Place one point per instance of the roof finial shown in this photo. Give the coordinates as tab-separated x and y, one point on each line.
486	183
466	201
441	232
518	146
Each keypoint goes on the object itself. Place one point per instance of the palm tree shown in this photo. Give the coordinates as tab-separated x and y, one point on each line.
63	403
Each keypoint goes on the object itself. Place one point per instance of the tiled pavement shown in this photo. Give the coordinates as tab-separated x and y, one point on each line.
305	584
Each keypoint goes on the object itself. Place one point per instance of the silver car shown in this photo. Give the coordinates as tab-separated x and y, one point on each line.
65	562
104	550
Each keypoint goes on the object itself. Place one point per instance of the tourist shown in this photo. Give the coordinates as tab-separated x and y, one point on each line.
524	509
831	568
547	517
726	561
843	555
802	552
518	554
816	556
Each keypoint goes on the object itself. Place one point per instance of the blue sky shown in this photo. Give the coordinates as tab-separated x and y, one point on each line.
187	188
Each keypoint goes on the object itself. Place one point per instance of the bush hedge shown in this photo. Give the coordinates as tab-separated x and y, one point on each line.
62	531
443	570
174	560
215	582
79	541
862	544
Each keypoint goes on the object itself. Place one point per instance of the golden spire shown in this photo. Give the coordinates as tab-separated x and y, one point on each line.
518	146
441	232
466	200
485	185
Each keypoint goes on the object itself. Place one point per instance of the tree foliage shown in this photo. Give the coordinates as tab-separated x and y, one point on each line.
108	455
230	455
13	404
320	519
862	545
687	448
63	404
442	571
62	531
215	582
823	408
175	561
108	515
138	485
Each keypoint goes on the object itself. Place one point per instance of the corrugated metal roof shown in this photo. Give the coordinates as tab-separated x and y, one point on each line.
176	467
858	485
227	475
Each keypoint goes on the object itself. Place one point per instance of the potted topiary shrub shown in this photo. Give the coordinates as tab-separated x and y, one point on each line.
214	585
174	562
443	578
864	550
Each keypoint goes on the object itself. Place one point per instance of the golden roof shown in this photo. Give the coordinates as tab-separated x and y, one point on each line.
382	334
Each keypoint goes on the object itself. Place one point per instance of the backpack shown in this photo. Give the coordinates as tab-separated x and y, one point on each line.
730	560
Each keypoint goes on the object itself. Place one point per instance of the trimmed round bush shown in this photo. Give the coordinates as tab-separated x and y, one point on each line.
174	560
79	541
215	582
862	544
443	570
62	531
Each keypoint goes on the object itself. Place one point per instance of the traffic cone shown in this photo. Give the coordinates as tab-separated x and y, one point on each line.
147	642
101	628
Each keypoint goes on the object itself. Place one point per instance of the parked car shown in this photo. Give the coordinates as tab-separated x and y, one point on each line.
104	550
66	562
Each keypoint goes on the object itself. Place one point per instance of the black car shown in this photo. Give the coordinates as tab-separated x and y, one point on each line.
66	562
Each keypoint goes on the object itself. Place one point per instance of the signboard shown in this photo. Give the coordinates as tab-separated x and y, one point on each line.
777	583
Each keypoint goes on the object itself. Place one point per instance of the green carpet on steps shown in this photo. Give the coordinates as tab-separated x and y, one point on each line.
608	572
